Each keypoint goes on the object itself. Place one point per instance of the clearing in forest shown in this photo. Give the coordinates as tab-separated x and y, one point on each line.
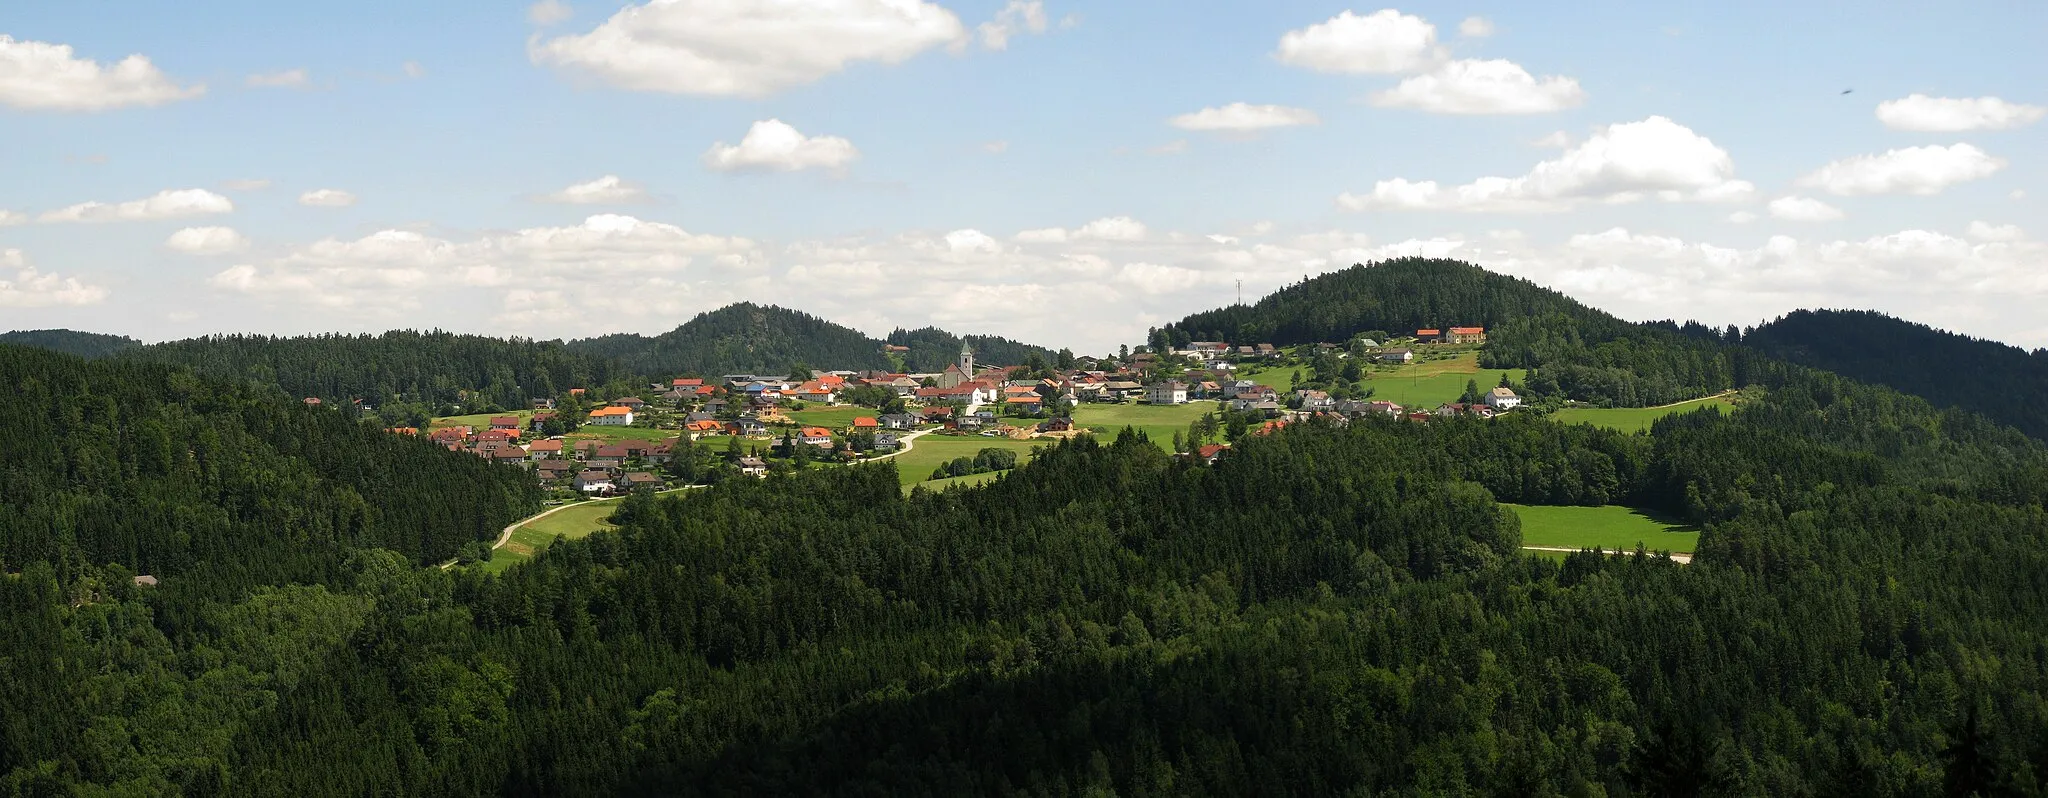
1611	528
1637	419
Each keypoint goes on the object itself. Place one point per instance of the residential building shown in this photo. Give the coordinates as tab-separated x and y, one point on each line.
1209	454
633	402
505	422
1312	400
1428	335
753	466
1062	424
1467	335
1170	392
899	421
815	436
886	442
613	416
642	479
1503	399
593	481
545	448
746	427
866	424
1403	355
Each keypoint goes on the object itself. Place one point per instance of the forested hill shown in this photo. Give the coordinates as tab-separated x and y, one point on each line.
1998	380
83	344
1396	296
932	349
742	338
404	373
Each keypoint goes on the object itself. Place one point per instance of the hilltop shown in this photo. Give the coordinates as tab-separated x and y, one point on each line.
71	342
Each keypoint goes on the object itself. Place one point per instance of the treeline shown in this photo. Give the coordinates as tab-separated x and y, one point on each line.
1325	610
933	349
74	342
1995	379
742	338
404	373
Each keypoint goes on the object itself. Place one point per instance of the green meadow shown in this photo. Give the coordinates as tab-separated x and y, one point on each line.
1636	419
1158	422
1427	384
932	451
1611	528
836	419
572	523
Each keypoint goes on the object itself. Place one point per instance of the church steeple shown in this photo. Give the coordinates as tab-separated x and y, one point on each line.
967	359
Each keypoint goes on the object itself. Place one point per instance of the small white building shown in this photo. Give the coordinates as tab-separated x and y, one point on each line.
614	416
1171	392
1502	399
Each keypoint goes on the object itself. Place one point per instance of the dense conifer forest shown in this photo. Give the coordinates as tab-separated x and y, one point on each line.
1325	610
933	349
1998	380
742	338
83	344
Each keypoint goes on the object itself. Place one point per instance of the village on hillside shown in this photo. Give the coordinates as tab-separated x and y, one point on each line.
696	429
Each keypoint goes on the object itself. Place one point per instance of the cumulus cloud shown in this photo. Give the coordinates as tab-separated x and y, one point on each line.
171	204
1475	28
607	190
1742	217
1113	228
1385	42
1240	118
327	198
29	288
1953	115
548	12
1913	170
207	241
774	145
40	76
1627	162
1804	209
10	218
1015	17
724	48
1557	140
1482	87
1984	231
287	79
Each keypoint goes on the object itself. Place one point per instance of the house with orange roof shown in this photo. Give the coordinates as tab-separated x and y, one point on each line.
866	424
505	422
404	430
1468	335
814	391
613	416
1429	334
816	436
544	448
705	426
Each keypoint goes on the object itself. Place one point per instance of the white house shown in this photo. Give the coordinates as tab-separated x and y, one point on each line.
1502	399
1171	392
612	416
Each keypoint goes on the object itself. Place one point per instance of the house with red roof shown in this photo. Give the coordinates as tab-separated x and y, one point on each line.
866	424
816	436
1209	454
507	423
1468	335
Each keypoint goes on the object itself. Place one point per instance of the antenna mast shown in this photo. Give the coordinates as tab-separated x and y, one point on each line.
1240	291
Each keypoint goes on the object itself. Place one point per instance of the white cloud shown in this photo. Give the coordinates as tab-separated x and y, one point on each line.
1983	231
1016	16
1742	217
327	198
2018	194
1620	163
1913	170
33	289
1557	140
996	147
548	12
207	241
607	190
1112	228
1228	241
10	218
287	79
1043	235
1240	117
257	184
773	145
747	49
972	241
164	205
1804	209
40	76
1475	28
1483	87
1385	42
1953	115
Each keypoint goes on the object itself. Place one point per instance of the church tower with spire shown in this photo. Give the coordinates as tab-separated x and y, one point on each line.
967	359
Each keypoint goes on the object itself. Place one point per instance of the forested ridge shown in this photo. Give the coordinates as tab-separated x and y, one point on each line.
933	349
83	344
1326	610
742	338
1996	379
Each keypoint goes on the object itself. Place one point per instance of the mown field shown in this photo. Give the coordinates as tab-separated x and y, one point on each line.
1611	528
477	420
932	451
1427	384
531	537
1158	422
1636	419
836	419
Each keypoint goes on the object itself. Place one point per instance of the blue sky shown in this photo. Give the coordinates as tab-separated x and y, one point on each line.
1009	167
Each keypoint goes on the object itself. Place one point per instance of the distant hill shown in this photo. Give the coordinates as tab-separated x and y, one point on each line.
2000	381
1395	296
766	339
741	338
74	342
932	349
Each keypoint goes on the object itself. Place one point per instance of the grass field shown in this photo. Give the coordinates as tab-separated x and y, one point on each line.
954	482
589	432
1279	378
932	451
530	538
1611	528
478	420
1158	422
1427	384
836	419
1636	419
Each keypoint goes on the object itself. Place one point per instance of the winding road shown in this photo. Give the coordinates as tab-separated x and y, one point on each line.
903	445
